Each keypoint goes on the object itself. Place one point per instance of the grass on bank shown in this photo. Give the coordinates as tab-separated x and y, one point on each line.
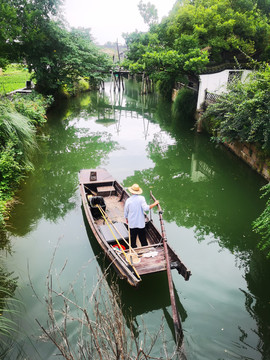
14	77
20	118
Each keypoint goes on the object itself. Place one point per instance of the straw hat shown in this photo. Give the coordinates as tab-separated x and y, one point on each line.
135	189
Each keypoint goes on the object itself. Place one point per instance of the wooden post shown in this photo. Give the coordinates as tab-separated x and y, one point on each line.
118	50
199	120
176	318
114	83
111	81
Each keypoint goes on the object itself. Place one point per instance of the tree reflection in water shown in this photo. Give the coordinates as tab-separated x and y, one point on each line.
200	185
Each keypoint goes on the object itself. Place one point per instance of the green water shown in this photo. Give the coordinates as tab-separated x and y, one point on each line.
209	198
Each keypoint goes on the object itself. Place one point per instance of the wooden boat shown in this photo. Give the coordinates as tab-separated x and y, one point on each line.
103	200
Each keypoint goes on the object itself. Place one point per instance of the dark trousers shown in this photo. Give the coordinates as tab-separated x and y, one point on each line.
133	235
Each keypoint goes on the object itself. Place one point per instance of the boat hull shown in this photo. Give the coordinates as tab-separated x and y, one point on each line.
106	220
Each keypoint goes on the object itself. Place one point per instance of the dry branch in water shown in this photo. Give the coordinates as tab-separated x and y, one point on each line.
97	328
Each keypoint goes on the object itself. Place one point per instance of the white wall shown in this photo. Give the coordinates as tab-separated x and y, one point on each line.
215	83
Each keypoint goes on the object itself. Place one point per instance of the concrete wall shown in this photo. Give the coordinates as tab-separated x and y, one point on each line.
216	83
250	154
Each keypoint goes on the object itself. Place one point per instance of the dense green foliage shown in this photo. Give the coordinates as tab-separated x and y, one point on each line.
57	57
184	105
61	58
262	224
242	114
199	33
227	28
163	64
18	121
22	19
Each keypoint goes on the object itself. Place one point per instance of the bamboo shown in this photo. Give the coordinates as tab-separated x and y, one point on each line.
176	318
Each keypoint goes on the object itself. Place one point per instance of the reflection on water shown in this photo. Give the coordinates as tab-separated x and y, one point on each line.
209	198
138	301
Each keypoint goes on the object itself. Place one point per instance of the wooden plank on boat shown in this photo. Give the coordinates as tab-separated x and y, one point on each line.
106	190
102	175
150	265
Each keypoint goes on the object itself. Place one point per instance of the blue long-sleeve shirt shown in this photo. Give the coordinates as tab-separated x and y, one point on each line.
134	211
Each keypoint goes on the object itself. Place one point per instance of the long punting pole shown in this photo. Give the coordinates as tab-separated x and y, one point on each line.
176	319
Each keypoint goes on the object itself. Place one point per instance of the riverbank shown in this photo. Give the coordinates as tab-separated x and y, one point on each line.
250	154
21	116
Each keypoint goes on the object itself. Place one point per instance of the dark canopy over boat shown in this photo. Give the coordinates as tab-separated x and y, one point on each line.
103	200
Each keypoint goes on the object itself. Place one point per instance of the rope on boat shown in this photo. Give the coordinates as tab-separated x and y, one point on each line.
120	247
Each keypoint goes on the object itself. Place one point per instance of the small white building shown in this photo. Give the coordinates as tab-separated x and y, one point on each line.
217	83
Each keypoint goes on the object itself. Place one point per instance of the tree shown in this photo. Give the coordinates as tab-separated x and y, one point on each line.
19	19
9	30
148	12
59	57
223	25
138	43
197	32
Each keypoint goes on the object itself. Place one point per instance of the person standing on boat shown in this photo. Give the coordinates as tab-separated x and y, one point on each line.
134	209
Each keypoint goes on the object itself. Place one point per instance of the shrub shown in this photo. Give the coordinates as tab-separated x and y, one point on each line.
262	224
242	114
184	105
33	106
18	121
10	169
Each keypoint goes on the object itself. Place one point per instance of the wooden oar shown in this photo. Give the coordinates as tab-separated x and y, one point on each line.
130	266
176	318
134	258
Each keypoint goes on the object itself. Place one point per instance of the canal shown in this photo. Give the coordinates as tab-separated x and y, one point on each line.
209	198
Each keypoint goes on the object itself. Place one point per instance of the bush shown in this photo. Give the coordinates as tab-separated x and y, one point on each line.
262	224
165	85
184	105
242	114
33	106
18	121
10	169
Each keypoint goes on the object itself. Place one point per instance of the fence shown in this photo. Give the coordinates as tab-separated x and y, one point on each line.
210	97
192	86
